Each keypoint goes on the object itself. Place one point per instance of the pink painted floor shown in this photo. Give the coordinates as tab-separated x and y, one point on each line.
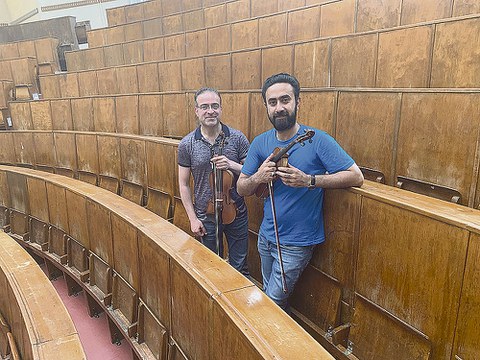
93	332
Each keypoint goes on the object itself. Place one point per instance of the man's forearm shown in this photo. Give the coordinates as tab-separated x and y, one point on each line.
342	179
186	196
246	185
235	167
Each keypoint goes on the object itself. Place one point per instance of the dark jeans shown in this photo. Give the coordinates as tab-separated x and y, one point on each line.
237	239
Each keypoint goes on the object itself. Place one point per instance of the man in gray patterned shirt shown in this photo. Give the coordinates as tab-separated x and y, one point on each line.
195	157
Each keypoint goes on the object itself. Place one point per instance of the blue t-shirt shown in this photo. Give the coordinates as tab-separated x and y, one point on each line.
299	210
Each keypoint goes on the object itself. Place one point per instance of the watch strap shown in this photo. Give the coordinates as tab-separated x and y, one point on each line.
312	182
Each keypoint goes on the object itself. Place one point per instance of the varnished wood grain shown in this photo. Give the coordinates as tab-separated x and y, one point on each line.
466	344
416	247
37	193
404	57
37	335
245	34
353	61
114	55
61	114
126	109
44	149
311	63
272	29
369	118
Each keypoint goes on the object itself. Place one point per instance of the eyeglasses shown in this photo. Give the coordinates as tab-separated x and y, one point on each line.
213	106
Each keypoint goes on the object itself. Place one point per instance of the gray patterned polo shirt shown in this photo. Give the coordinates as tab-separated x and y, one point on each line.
194	152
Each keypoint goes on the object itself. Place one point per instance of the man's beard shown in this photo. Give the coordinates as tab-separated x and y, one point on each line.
283	121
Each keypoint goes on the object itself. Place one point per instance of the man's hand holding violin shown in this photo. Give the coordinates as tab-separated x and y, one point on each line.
291	176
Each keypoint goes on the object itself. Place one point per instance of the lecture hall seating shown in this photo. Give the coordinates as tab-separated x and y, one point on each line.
396	87
159	287
29	328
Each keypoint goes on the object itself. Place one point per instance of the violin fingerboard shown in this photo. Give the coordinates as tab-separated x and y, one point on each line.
283	161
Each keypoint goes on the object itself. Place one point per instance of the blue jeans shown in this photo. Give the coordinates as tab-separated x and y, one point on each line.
237	239
295	259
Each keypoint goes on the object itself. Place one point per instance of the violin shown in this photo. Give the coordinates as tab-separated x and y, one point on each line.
221	183
280	158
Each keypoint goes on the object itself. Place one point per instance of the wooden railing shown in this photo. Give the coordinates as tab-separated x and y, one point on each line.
394	124
411	56
160	288
395	277
34	323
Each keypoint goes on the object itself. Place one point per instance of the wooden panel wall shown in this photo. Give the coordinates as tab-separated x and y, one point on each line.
43	50
385	59
398	148
336	18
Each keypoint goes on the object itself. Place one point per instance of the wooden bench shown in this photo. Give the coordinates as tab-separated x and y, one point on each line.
388	255
369	14
34	323
150	181
155	9
200	12
159	287
335	68
128	44
5	87
387	120
45	51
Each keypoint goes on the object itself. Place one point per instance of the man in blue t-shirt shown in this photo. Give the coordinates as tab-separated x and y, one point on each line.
298	188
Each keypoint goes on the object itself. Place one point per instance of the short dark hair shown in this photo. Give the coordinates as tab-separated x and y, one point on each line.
204	90
281	78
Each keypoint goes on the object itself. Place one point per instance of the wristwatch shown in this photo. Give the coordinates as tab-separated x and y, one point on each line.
312	182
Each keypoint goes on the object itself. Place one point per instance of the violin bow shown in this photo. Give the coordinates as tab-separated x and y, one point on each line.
218	209
218	183
300	139
277	238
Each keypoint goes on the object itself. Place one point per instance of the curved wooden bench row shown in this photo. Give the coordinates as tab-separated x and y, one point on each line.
233	36
396	278
341	18
43	50
318	21
141	169
394	124
198	11
219	19
34	323
427	55
386	16
156	24
151	9
405	269
165	292
335	265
